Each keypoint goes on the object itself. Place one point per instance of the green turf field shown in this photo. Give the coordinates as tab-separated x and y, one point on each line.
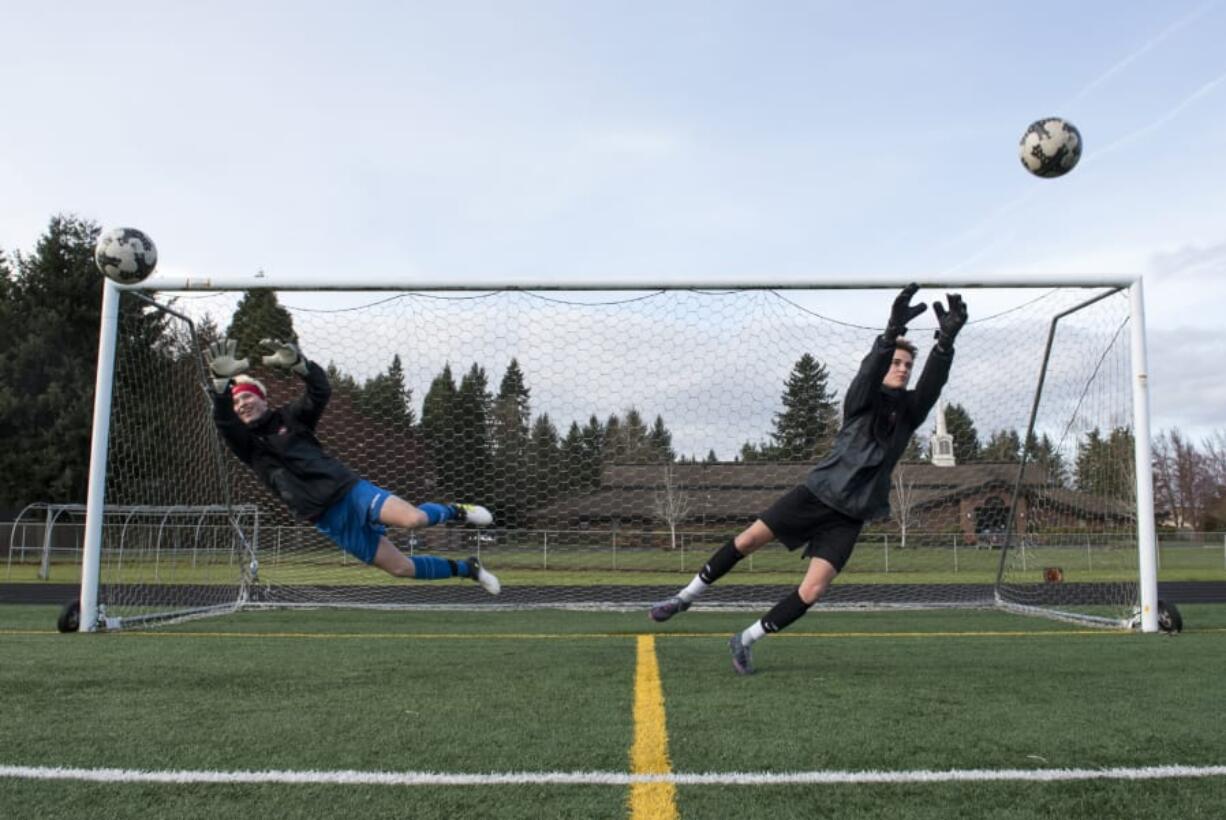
312	694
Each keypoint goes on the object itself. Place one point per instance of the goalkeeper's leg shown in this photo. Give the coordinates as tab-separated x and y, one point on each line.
789	610
432	568
721	562
396	512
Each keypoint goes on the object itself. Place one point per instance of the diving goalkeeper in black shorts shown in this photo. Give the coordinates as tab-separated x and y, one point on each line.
851	485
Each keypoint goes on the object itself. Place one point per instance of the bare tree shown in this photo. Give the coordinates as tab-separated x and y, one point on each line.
672	504
1182	478
902	503
1215	465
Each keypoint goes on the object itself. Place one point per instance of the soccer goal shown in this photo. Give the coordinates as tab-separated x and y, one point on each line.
620	431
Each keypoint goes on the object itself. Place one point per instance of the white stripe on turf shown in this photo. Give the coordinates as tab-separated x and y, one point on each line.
604	778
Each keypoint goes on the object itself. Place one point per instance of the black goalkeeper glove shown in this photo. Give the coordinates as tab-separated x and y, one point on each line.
950	321
903	312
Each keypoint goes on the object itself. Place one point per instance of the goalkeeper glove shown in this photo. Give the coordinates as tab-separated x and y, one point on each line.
224	364
285	355
903	312
950	321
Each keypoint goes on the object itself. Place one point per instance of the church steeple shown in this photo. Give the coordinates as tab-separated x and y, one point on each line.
942	442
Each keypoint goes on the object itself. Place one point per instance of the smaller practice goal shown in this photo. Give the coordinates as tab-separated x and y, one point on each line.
620	433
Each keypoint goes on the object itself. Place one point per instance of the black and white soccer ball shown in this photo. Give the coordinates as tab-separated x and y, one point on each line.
1050	147
125	255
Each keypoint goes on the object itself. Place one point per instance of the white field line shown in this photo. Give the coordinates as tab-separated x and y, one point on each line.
355	778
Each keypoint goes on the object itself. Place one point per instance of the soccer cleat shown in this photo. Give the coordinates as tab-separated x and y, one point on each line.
473	514
668	608
742	661
488	580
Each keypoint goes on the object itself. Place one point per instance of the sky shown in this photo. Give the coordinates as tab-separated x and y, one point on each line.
469	141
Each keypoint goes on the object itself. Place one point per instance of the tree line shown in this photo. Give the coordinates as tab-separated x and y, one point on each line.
479	442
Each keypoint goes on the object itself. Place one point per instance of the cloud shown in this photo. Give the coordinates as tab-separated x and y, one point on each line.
1189	390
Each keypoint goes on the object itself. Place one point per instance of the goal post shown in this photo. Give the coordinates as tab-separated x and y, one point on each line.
621	429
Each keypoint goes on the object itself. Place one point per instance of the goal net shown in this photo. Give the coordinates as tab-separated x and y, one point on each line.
619	438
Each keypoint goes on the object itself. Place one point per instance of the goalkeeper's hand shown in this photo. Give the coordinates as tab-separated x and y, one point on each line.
950	321
903	312
224	363
285	355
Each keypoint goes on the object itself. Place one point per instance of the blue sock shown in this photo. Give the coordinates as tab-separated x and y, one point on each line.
431	568
436	513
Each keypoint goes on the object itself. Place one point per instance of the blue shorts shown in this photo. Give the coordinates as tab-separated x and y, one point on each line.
353	522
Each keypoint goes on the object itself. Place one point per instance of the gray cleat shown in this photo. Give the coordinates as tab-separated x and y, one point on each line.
742	661
668	608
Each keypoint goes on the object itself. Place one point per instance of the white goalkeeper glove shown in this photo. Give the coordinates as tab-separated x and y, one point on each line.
224	363
285	355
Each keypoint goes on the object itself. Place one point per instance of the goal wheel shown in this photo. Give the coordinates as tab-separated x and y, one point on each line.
1169	619
70	617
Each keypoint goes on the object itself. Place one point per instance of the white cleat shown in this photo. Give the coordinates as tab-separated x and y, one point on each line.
488	580
473	514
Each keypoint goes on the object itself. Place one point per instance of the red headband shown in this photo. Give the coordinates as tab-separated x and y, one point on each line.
248	387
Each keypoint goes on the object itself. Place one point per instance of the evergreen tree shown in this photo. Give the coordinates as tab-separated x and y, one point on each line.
511	416
661	442
1105	465
626	440
962	429
711	459
49	320
1004	445
612	441
544	462
387	400
751	452
259	315
575	469
809	421
593	448
341	381
47	366
439	428
472	408
917	449
1042	451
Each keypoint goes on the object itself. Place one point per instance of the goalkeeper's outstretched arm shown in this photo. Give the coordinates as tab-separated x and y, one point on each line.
309	408
936	369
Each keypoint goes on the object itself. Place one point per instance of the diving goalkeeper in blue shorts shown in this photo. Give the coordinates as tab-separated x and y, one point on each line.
280	447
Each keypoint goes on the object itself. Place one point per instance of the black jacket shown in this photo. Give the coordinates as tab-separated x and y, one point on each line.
282	449
877	426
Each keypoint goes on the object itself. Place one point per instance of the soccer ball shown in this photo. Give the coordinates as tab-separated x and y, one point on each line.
125	255
1050	147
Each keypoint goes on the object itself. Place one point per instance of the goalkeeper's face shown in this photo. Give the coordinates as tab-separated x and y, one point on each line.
900	370
248	406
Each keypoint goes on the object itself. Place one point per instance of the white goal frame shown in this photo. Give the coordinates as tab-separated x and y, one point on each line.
1146	534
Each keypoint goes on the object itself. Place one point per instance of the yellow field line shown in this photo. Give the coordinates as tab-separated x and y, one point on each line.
649	754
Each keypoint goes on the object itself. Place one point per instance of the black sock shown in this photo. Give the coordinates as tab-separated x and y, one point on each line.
721	563
785	612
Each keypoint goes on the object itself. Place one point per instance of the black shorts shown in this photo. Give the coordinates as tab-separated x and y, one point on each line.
799	518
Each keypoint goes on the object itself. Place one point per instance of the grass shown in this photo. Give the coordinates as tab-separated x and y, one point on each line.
553	691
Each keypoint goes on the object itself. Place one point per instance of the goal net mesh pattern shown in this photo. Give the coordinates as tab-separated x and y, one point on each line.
618	439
